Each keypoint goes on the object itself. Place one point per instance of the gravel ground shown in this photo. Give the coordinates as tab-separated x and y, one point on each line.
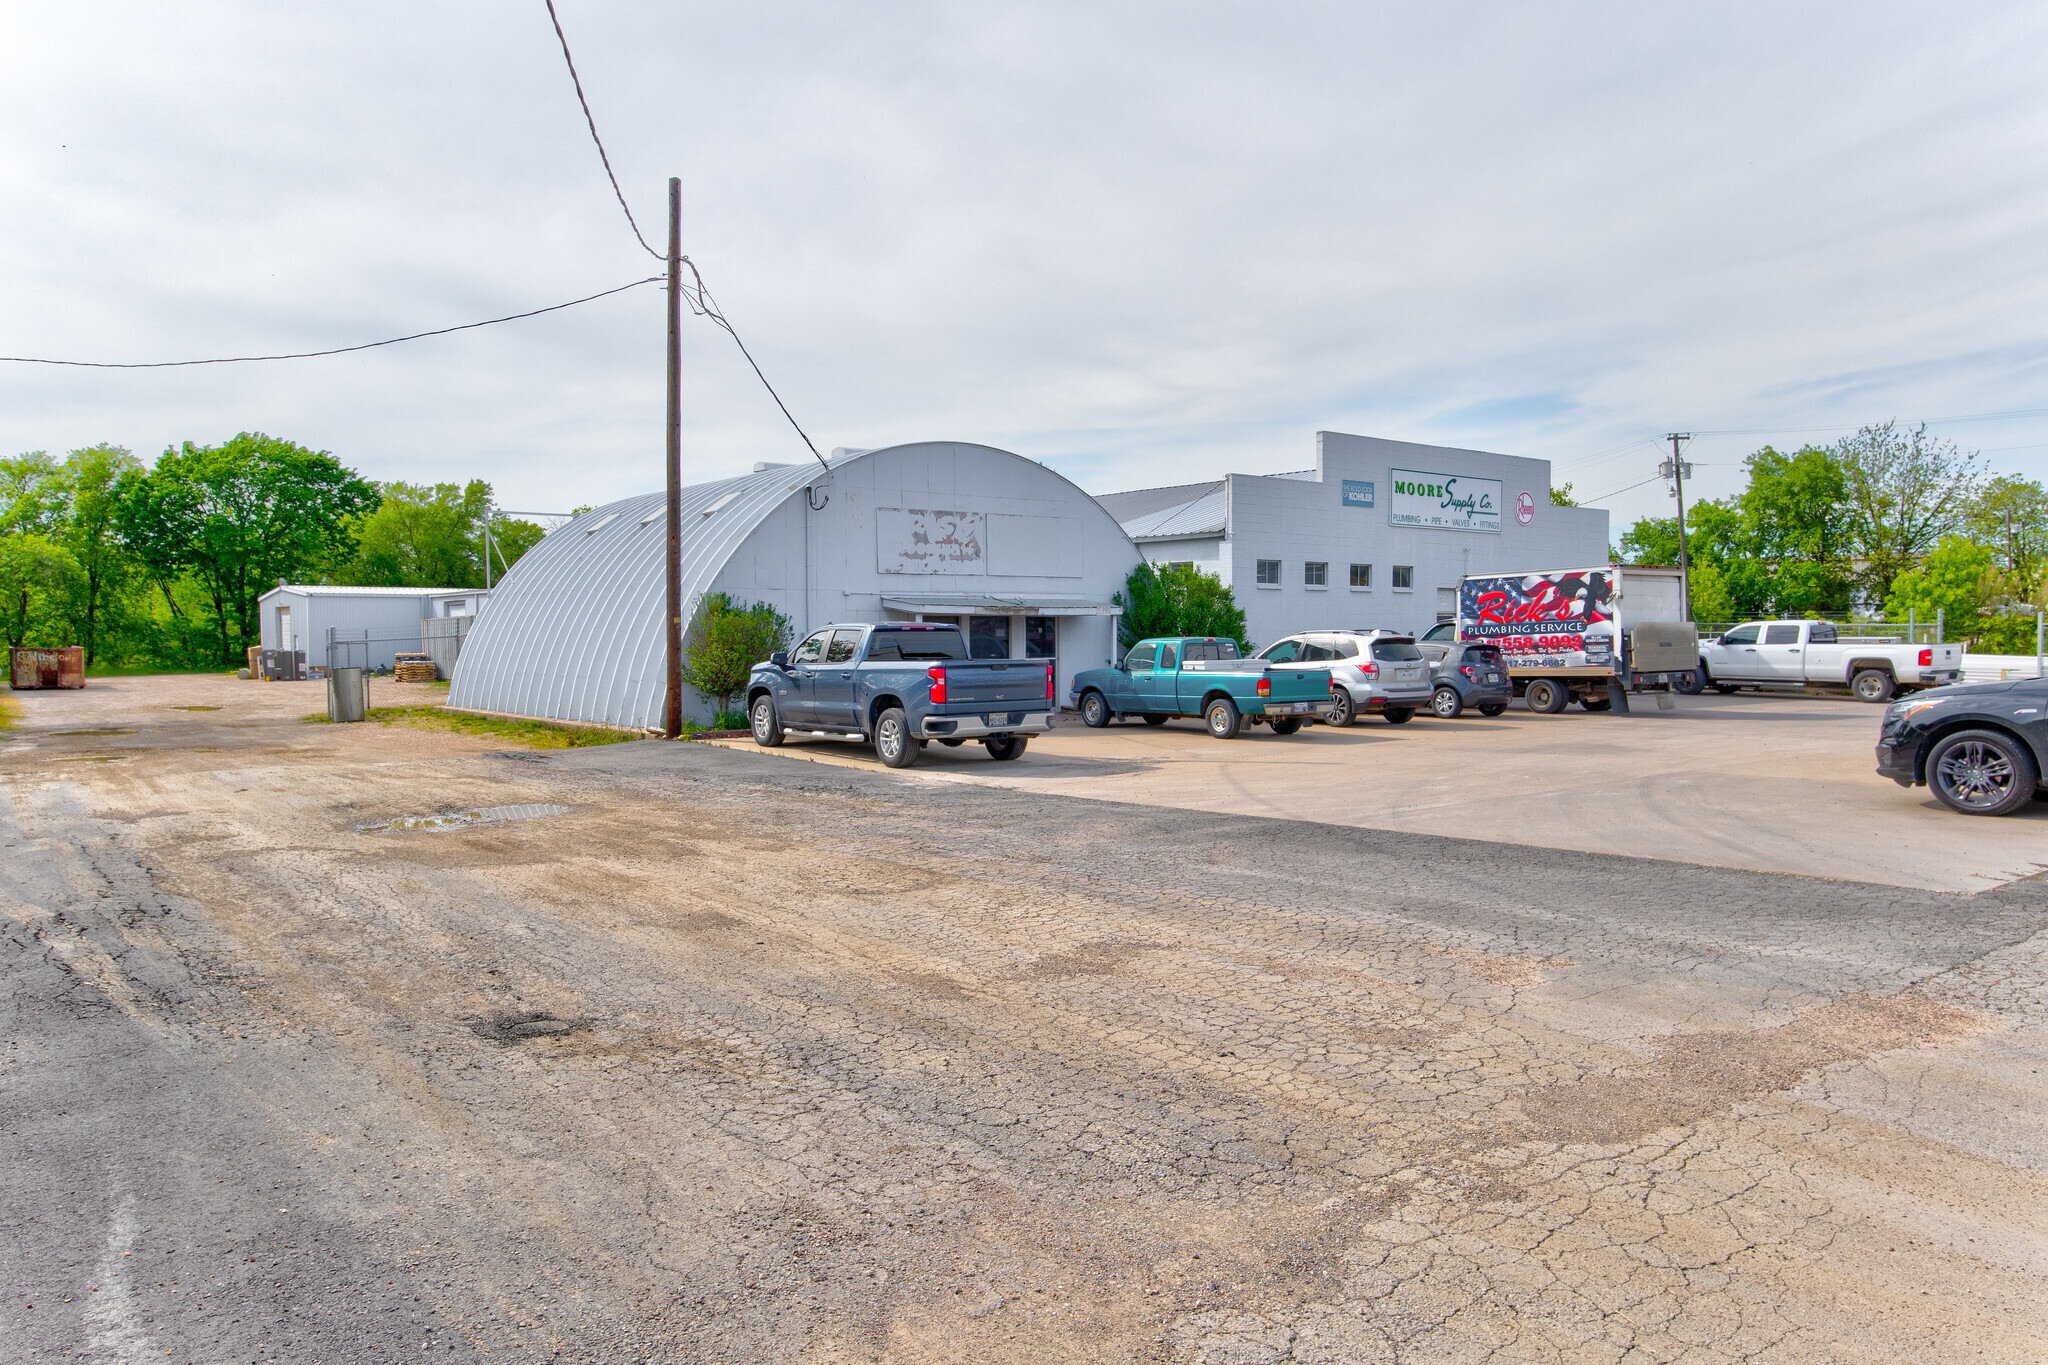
736	1059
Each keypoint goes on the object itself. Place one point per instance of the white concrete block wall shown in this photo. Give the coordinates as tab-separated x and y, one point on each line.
1299	520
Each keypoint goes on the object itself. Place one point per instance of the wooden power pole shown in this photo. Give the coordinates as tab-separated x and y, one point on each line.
672	721
1677	471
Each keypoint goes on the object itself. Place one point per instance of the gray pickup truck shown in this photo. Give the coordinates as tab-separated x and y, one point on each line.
899	684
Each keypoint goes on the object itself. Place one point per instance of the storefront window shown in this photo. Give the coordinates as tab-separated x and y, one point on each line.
1038	637
988	637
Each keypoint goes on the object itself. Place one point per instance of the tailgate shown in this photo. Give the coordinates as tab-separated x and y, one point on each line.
991	682
1298	684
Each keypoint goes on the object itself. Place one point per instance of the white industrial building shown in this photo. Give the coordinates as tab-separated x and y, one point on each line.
1022	560
389	621
1375	536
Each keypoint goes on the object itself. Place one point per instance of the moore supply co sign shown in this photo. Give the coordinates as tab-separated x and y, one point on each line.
1443	502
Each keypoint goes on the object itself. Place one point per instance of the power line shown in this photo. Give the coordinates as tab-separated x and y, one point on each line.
1596	497
704	305
338	350
577	81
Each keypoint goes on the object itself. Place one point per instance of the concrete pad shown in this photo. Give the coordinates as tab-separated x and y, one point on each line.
1771	783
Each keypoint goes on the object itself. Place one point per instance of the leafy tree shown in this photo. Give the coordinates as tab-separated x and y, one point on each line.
2010	515
1561	496
35	571
2011	633
31	494
1951	581
724	642
421	537
1178	600
239	516
90	533
1904	491
1795	507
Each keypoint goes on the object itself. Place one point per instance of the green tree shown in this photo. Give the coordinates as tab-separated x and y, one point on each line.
1905	491
725	641
1794	508
1561	496
239	516
421	536
32	495
1178	600
35	573
2010	515
90	533
1952	580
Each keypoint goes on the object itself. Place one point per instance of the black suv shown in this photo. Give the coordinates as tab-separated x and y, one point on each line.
1980	746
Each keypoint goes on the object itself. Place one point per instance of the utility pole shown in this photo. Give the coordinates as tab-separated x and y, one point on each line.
1674	468
672	721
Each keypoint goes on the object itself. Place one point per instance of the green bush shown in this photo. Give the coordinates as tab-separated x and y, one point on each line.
730	720
1178	600
724	642
2006	635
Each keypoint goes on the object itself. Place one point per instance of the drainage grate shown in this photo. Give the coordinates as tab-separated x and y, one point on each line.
463	819
510	1030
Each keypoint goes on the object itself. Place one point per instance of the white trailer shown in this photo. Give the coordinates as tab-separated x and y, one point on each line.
1596	634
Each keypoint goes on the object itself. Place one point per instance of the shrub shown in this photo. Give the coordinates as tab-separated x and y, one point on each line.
725	641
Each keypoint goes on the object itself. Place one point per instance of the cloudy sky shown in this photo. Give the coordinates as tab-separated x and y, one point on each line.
1143	243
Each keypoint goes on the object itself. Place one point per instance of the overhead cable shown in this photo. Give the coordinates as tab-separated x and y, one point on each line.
577	81
337	350
702	304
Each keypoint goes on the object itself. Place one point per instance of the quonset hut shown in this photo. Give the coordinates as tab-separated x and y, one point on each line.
1020	559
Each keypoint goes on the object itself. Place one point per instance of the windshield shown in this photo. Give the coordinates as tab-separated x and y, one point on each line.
917	642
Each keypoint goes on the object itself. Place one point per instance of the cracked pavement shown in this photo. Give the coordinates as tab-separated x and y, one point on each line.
747	1060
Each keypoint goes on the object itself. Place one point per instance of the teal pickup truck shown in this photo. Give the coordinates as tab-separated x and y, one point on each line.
1202	676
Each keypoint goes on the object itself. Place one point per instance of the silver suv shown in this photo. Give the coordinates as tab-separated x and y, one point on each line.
1371	671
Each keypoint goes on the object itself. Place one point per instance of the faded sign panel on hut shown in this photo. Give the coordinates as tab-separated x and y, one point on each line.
920	540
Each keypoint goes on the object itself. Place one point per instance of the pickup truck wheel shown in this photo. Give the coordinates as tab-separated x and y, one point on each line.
1151	719
1492	708
1982	772
1094	710
1546	697
766	724
1002	748
1343	710
1399	715
1284	725
1222	718
1447	704
1871	684
1690	683
893	740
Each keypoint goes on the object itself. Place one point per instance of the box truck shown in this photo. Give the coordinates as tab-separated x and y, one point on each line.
1592	634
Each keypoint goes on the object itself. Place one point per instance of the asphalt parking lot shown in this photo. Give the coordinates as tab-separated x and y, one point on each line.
701	1056
1772	783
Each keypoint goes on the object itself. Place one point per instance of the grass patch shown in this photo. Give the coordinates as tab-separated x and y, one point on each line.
535	734
9	713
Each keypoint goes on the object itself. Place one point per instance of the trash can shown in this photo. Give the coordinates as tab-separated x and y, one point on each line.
348	694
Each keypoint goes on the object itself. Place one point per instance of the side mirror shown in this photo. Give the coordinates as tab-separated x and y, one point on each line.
779	659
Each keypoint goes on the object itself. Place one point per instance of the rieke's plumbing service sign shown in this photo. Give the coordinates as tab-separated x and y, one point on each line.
1444	502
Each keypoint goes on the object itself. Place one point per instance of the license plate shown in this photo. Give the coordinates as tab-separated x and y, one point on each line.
1289	708
1489	677
1003	718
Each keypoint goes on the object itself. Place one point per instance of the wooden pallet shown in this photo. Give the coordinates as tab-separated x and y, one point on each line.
414	672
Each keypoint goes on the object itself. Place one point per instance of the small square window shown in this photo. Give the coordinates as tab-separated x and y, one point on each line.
1361	575
1404	578
1178	564
1315	573
1269	573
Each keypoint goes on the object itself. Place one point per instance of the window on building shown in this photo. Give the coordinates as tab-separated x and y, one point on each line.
1038	637
1315	573
1404	578
1178	564
988	637
1361	575
1269	573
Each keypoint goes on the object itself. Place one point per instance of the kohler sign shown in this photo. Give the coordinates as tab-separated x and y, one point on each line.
1443	502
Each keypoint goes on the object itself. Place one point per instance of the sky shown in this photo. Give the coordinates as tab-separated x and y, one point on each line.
1145	244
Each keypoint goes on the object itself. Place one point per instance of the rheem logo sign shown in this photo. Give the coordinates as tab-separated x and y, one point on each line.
1444	502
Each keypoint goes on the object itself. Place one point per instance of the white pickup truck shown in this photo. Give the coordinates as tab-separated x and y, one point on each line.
1815	654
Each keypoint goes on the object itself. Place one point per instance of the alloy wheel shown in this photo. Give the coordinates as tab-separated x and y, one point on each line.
1975	774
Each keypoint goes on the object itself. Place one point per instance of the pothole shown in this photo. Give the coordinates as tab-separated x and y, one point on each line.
509	1029
463	819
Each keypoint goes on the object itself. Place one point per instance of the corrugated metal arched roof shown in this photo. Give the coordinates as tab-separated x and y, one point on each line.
573	632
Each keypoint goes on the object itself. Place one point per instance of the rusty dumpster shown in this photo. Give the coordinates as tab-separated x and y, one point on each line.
36	668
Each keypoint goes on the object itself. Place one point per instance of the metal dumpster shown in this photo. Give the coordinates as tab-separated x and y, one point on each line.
30	669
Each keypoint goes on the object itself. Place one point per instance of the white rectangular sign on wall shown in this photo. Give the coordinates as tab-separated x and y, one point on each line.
1443	502
929	540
